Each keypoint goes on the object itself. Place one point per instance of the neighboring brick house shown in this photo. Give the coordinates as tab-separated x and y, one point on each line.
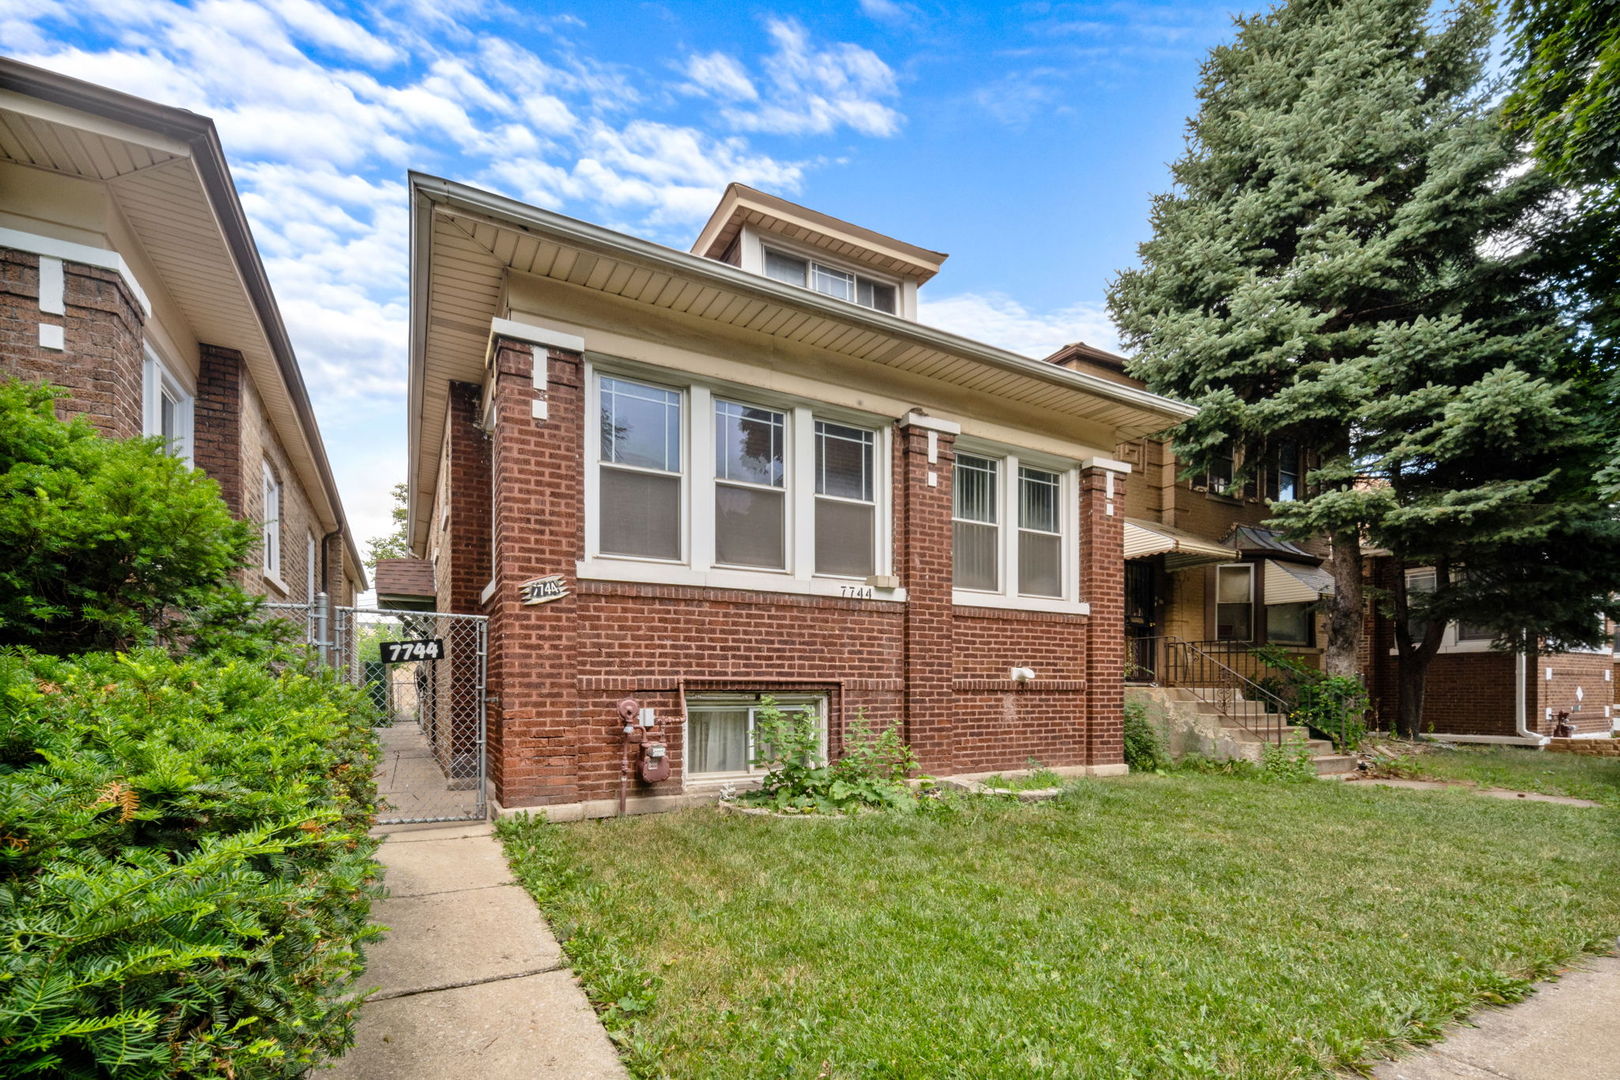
698	478
128	276
1202	568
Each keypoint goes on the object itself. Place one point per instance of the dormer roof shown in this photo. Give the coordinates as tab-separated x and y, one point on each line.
742	205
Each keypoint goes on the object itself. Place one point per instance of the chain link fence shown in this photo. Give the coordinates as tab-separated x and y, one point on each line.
425	672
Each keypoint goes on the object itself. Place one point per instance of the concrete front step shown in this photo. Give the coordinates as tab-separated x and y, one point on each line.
1334	764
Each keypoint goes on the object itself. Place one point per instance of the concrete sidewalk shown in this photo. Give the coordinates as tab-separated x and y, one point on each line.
473	984
1566	1030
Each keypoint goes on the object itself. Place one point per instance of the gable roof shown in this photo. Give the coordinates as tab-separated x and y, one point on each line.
405	577
166	172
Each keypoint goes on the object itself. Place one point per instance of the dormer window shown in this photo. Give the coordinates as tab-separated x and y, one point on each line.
831	281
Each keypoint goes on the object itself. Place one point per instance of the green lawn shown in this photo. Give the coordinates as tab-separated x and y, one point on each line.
1514	767
1181	926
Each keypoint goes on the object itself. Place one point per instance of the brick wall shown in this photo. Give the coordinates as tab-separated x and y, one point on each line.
217	416
1587	747
102	362
557	669
259	443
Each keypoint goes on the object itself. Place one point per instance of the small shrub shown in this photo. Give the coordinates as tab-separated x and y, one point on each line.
1288	762
1333	706
185	875
871	774
1144	750
107	541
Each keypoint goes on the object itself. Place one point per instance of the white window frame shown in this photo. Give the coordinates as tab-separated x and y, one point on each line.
1450	642
698	567
751	702
1254	613
159	381
813	259
270	525
310	562
1008	460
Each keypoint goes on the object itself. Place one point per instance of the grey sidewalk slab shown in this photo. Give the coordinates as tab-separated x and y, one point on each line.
455	938
537	1028
418	866
1566	1030
1493	793
473	983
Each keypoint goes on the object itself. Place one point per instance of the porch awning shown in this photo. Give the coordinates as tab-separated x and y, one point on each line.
1180	548
1294	583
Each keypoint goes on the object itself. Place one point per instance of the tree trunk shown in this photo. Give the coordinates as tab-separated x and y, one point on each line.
1412	672
1342	655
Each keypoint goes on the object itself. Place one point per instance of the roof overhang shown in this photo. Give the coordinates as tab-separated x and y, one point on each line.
465	242
742	206
1180	548
166	173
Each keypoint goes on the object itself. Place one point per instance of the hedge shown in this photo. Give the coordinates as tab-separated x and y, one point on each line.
185	875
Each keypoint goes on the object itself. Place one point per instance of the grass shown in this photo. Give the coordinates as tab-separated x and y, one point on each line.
1037	779
1520	769
1180	926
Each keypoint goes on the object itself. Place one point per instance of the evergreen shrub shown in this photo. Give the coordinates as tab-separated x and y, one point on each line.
185	872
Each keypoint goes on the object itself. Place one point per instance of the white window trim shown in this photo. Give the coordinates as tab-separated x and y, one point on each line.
750	700
1449	642
271	556
1254	614
815	255
1007	460
157	379
698	568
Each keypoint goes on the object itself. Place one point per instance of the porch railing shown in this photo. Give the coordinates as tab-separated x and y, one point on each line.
1220	675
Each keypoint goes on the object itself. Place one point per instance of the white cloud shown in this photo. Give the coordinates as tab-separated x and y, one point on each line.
809	89
999	320
321	112
721	76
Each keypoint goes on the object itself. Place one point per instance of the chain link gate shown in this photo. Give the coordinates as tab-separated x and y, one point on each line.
424	672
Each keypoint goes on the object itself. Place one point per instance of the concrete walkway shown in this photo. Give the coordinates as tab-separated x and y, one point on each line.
1566	1030
473	984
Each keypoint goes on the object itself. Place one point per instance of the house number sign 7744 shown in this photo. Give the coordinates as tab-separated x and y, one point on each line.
402	652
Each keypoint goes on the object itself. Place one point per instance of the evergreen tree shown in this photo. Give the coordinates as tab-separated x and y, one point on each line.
395	545
1344	263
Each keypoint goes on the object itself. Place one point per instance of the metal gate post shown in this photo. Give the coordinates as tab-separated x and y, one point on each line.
323	644
483	719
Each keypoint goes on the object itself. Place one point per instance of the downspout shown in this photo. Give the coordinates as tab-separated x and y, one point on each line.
1521	714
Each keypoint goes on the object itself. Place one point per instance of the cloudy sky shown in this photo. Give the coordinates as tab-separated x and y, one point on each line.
1024	139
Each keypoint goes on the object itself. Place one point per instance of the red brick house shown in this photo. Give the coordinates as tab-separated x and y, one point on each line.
696	478
128	276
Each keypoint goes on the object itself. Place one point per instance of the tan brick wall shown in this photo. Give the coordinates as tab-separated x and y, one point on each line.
259	443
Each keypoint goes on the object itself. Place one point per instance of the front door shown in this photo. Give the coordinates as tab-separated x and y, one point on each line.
1141	620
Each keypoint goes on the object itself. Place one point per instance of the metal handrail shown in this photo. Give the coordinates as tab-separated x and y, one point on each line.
1189	667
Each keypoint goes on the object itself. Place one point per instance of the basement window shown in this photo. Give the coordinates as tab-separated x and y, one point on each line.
721	736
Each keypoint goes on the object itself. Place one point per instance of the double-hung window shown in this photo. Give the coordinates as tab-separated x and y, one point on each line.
270	523
1012	537
1234	602
639	486
168	407
750	480
1287	488
729	491
831	281
846	500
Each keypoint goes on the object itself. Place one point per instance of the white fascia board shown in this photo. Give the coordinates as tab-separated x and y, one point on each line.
68	251
1106	463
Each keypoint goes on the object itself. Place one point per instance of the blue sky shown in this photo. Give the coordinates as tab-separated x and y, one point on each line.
1023	139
